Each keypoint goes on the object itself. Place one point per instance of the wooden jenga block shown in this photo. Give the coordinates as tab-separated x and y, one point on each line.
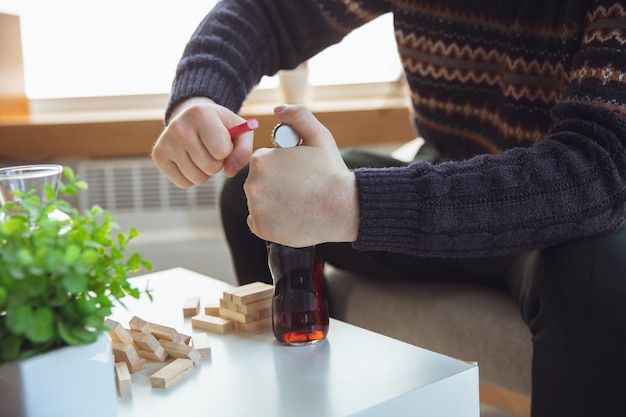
255	325
171	373
227	295
164	332
236	316
211	323
212	309
229	305
138	365
254	294
139	324
191	307
158	355
263	314
200	342
123	380
117	332
124	353
185	338
255	306
144	341
179	350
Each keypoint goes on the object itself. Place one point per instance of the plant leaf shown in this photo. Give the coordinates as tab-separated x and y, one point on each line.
10	348
68	172
132	233
84	336
41	329
66	335
95	321
81	185
19	318
121	240
71	255
87	305
3	297
74	283
134	262
88	257
25	257
50	192
15	225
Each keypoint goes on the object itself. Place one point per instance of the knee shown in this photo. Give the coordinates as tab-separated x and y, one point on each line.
609	278
587	279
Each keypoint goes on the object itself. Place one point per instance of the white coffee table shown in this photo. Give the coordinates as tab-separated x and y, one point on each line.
354	372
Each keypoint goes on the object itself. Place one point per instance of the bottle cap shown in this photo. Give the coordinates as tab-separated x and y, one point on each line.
284	136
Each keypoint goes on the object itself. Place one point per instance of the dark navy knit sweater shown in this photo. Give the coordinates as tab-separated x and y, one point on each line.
525	102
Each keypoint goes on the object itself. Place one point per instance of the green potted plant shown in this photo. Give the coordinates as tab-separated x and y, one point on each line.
61	272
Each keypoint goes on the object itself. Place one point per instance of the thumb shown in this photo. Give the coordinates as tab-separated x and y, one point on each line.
311	131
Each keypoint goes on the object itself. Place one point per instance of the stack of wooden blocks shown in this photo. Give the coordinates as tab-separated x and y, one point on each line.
247	308
155	342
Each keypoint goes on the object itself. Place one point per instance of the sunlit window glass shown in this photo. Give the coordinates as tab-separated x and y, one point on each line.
82	48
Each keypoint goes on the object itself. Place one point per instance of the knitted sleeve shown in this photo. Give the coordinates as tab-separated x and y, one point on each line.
242	40
569	185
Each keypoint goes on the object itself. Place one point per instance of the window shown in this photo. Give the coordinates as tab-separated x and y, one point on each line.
82	48
368	54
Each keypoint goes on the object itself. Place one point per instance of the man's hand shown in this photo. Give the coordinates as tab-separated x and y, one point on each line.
304	195
196	144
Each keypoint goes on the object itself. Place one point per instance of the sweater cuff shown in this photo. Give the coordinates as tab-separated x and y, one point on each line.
220	85
388	207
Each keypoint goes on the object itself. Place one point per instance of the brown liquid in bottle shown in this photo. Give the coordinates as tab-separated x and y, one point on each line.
300	310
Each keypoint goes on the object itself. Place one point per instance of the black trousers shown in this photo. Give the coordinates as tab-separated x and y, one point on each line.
572	297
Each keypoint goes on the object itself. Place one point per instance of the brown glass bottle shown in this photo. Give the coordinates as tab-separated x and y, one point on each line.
299	309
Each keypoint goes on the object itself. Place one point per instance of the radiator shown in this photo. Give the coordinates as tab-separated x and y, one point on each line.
176	227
